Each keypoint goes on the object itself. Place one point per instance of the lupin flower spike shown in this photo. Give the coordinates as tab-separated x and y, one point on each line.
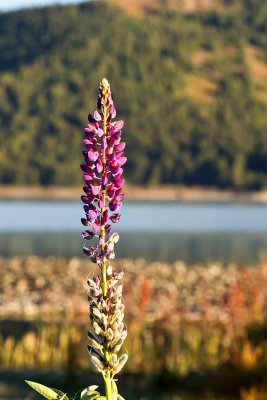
102	200
102	167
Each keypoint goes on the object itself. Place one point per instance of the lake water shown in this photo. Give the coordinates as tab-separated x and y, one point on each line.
189	232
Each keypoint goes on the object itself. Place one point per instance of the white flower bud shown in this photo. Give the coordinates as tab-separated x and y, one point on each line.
96	313
98	329
104	319
97	345
113	360
109	270
117	343
109	334
97	364
122	361
114	237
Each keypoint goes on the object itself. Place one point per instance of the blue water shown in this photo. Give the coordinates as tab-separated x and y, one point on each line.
136	217
165	232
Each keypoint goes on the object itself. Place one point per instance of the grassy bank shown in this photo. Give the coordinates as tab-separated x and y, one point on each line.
190	328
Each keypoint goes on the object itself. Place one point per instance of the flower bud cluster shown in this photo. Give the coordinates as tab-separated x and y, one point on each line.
106	315
102	167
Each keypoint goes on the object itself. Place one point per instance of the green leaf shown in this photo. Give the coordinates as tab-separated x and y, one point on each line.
45	391
120	397
90	396
114	390
92	388
77	395
61	394
90	393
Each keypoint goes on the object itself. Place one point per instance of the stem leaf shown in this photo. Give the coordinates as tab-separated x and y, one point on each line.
45	391
89	393
114	390
90	396
77	395
61	394
92	388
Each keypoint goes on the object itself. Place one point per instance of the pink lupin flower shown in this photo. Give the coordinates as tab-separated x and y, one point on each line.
102	168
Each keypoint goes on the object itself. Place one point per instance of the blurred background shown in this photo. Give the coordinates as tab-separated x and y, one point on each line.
189	78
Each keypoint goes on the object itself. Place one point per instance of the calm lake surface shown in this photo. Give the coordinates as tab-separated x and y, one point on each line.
189	232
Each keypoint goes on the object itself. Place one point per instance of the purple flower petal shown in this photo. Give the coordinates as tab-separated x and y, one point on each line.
87	169
114	170
85	154
84	222
122	160
99	166
112	111
84	167
119	147
86	190
87	179
113	206
93	155
111	157
91	119
100	132
88	235
105	216
115	218
95	190
109	151
87	130
118	125
85	200
95	227
118	191
111	191
86	209
108	229
103	143
88	144
105	179
118	183
120	197
101	202
91	136
97	116
86	251
92	213
116	136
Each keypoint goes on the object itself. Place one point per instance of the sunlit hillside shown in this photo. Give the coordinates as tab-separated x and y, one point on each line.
186	6
191	87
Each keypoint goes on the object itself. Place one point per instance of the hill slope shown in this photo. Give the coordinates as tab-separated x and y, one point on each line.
191	88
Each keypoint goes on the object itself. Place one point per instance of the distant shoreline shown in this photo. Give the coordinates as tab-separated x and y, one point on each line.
168	193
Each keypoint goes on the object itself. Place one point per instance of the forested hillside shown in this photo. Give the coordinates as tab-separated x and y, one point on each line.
191	87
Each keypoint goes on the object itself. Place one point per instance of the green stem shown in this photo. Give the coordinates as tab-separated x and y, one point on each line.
108	386
103	265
